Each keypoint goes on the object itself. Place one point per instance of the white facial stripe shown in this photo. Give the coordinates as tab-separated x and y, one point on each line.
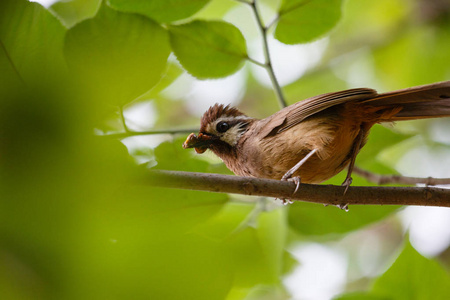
231	118
232	135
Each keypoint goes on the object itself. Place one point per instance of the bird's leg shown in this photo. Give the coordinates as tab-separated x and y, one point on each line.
288	175
356	147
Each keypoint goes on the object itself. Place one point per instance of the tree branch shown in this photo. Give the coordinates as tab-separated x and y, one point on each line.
399	179
324	194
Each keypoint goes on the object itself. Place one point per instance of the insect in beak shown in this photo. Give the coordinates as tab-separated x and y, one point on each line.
200	143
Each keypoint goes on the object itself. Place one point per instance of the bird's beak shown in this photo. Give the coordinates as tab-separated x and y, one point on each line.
200	143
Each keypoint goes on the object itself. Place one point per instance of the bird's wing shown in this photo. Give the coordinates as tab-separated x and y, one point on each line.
297	112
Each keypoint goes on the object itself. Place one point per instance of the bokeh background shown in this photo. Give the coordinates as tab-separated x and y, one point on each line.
76	222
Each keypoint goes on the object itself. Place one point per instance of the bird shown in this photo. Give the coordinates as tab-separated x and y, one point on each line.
312	140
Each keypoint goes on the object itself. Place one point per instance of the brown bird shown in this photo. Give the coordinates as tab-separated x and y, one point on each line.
313	139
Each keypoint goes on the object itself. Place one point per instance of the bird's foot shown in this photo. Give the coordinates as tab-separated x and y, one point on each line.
347	182
343	206
297	182
286	201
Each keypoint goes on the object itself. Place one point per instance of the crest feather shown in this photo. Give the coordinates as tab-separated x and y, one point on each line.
216	111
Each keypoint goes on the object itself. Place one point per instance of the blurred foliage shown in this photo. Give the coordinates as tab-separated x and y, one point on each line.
313	219
73	12
115	65
413	276
161	11
75	220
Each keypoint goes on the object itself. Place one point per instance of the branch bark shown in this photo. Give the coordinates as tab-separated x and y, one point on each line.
324	194
399	179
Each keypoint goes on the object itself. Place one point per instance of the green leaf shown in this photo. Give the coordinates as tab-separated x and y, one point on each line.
314	84
390	156
258	251
413	276
256	241
75	11
31	39
228	221
173	71
141	239
209	49
136	238
119	56
172	156
272	233
303	21
83	228
380	139
216	9
9	77
315	219
401	61
162	11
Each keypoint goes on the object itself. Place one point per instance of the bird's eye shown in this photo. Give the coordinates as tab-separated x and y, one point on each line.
222	126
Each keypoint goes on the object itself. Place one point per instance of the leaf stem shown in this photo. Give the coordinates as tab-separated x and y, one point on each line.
122	118
272	22
263	65
12	63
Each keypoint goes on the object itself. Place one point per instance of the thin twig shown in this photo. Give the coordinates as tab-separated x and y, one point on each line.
123	135
325	194
399	179
268	63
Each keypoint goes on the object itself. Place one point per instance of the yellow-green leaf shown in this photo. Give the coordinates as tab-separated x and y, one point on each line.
303	21
31	39
413	277
162	11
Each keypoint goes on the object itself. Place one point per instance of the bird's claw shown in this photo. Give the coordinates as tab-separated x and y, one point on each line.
343	206
297	182
286	201
347	182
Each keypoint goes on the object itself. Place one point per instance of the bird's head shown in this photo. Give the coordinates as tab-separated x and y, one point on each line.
220	130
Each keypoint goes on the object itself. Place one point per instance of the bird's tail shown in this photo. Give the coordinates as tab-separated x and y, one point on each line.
420	102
